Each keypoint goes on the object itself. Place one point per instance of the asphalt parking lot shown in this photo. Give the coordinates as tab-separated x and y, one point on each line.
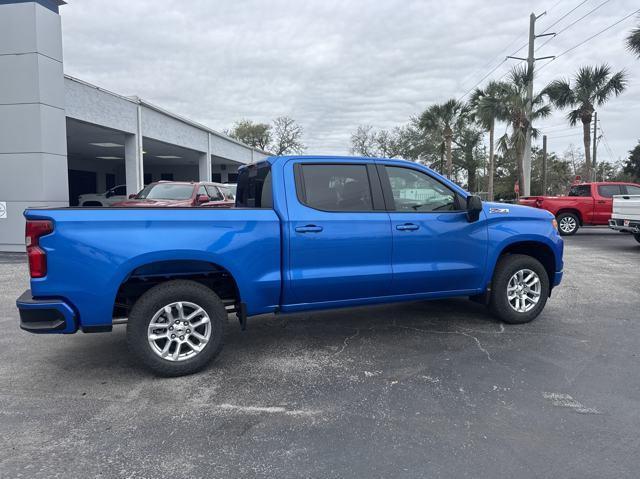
426	389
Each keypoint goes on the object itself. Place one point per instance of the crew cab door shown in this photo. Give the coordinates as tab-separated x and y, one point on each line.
582	199
339	233
603	196
435	248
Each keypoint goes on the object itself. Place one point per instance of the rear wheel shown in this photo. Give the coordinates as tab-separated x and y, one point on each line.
568	223
176	328
519	289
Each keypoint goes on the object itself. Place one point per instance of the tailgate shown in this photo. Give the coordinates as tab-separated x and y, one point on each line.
626	207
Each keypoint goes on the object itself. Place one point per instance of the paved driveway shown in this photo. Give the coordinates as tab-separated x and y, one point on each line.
425	389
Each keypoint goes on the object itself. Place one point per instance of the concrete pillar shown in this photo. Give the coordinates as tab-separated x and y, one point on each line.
133	158
204	162
33	142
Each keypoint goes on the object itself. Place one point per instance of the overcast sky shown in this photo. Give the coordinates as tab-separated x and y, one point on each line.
333	65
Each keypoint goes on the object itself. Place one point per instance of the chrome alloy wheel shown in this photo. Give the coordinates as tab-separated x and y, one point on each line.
567	224
523	290
179	331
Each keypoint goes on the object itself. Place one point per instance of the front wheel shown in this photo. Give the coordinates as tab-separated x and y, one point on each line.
568	224
519	289
637	237
176	328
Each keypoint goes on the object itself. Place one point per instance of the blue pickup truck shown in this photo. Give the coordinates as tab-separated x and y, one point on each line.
306	233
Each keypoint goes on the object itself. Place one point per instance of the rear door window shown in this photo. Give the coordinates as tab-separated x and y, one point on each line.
334	187
607	191
633	190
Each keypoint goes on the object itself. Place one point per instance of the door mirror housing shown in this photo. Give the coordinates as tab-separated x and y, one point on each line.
132	196
201	199
474	207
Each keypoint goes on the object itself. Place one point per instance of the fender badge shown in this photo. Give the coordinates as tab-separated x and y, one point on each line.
502	211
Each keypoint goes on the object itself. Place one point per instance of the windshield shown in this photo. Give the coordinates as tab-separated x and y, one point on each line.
232	189
166	191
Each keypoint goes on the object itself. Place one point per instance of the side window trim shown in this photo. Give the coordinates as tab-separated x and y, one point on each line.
388	192
375	186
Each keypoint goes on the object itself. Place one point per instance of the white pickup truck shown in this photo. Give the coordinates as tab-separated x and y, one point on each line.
626	215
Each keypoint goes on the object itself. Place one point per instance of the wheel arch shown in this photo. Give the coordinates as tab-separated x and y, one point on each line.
536	249
573	211
145	276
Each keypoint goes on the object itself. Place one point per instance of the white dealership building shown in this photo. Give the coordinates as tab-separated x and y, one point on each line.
61	137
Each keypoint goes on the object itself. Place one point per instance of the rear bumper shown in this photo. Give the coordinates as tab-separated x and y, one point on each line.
42	316
618	225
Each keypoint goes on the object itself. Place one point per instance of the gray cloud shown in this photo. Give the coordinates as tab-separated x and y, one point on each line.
333	65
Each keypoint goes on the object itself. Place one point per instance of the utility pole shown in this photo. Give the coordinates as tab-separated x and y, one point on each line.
594	173
544	165
531	59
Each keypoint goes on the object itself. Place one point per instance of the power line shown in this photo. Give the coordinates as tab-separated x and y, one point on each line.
589	38
515	51
597	7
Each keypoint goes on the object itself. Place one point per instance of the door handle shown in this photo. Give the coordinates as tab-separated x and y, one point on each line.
602	202
308	229
407	227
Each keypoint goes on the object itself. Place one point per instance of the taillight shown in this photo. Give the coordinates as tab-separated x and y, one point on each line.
37	257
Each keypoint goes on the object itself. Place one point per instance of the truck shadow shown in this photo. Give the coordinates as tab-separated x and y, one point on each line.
321	333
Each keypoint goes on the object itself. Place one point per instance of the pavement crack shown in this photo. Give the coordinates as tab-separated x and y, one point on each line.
345	343
461	333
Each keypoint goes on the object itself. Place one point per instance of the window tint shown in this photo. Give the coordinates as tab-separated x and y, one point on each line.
254	187
202	191
417	191
120	190
334	187
633	190
580	190
609	190
214	193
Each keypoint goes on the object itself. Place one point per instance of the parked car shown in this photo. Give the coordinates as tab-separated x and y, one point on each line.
585	204
181	193
108	198
307	233
626	215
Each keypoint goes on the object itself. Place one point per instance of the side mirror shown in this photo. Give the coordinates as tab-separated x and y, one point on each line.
202	199
474	207
132	196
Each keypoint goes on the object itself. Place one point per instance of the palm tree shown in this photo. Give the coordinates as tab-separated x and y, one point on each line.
633	41
514	100
592	87
442	119
488	106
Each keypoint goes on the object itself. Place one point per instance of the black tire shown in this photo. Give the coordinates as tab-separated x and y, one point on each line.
637	237
157	298
91	204
569	219
499	304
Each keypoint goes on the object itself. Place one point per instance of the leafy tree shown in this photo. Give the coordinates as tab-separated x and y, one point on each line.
257	135
515	114
592	87
287	136
632	164
468	139
488	106
633	41
442	119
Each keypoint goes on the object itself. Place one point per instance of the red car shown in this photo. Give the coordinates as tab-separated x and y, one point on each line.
585	204
181	193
